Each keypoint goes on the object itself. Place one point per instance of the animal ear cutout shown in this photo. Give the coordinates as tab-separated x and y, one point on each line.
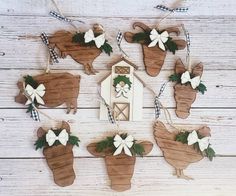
173	30
65	126
181	44
198	70
40	132
92	150
147	146
179	67
205	131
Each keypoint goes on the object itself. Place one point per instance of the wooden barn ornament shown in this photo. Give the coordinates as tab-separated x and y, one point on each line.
56	89
84	48
123	91
155	44
120	165
177	152
57	147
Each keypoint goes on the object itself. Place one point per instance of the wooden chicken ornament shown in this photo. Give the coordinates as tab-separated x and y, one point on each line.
183	148
82	47
50	90
186	88
57	147
155	44
119	153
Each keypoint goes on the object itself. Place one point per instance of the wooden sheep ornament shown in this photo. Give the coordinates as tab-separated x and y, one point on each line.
50	90
75	45
123	91
179	154
154	55
57	147
120	166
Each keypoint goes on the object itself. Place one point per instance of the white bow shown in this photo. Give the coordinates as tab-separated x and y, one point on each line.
122	90
203	143
158	38
99	40
121	144
194	81
35	94
62	137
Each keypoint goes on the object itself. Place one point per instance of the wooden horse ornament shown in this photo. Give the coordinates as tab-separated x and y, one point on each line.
154	57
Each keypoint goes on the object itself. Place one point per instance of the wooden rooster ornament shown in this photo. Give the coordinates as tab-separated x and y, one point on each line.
83	47
155	44
119	153
57	147
186	87
177	152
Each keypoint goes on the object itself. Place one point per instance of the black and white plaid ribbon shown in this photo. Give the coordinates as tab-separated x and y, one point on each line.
119	39
35	115
186	33
52	52
59	16
110	115
157	103
178	9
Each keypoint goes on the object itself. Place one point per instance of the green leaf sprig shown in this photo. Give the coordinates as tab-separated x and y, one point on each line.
183	138
107	144
122	78
145	38
177	78
79	38
41	141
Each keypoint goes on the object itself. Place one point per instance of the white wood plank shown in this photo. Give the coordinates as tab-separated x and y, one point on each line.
31	54
20	128
221	89
152	176
115	8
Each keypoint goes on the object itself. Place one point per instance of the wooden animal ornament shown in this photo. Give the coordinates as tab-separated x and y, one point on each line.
122	89
155	44
50	90
119	153
186	87
183	148
83	47
57	147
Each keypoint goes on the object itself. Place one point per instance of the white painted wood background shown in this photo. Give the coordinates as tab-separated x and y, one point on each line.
212	26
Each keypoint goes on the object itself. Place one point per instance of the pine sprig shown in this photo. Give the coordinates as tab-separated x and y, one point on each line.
107	144
41	141
30	80
79	38
123	78
144	37
177	78
183	138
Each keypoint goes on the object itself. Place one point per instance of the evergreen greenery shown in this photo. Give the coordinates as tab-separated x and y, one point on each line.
183	138
145	38
177	78
41	141
107	144
122	78
79	38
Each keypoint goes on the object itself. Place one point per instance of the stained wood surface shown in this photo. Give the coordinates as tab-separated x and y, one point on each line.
212	27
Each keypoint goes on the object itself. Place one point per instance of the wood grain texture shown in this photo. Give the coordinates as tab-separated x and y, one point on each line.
212	27
179	155
153	57
60	88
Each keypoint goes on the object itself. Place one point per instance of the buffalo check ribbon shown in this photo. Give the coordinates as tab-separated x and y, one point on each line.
165	8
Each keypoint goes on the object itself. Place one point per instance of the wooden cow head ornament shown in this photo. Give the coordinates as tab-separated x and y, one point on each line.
154	57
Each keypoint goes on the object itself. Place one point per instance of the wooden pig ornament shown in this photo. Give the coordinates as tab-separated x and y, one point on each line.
155	50
50	90
120	165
